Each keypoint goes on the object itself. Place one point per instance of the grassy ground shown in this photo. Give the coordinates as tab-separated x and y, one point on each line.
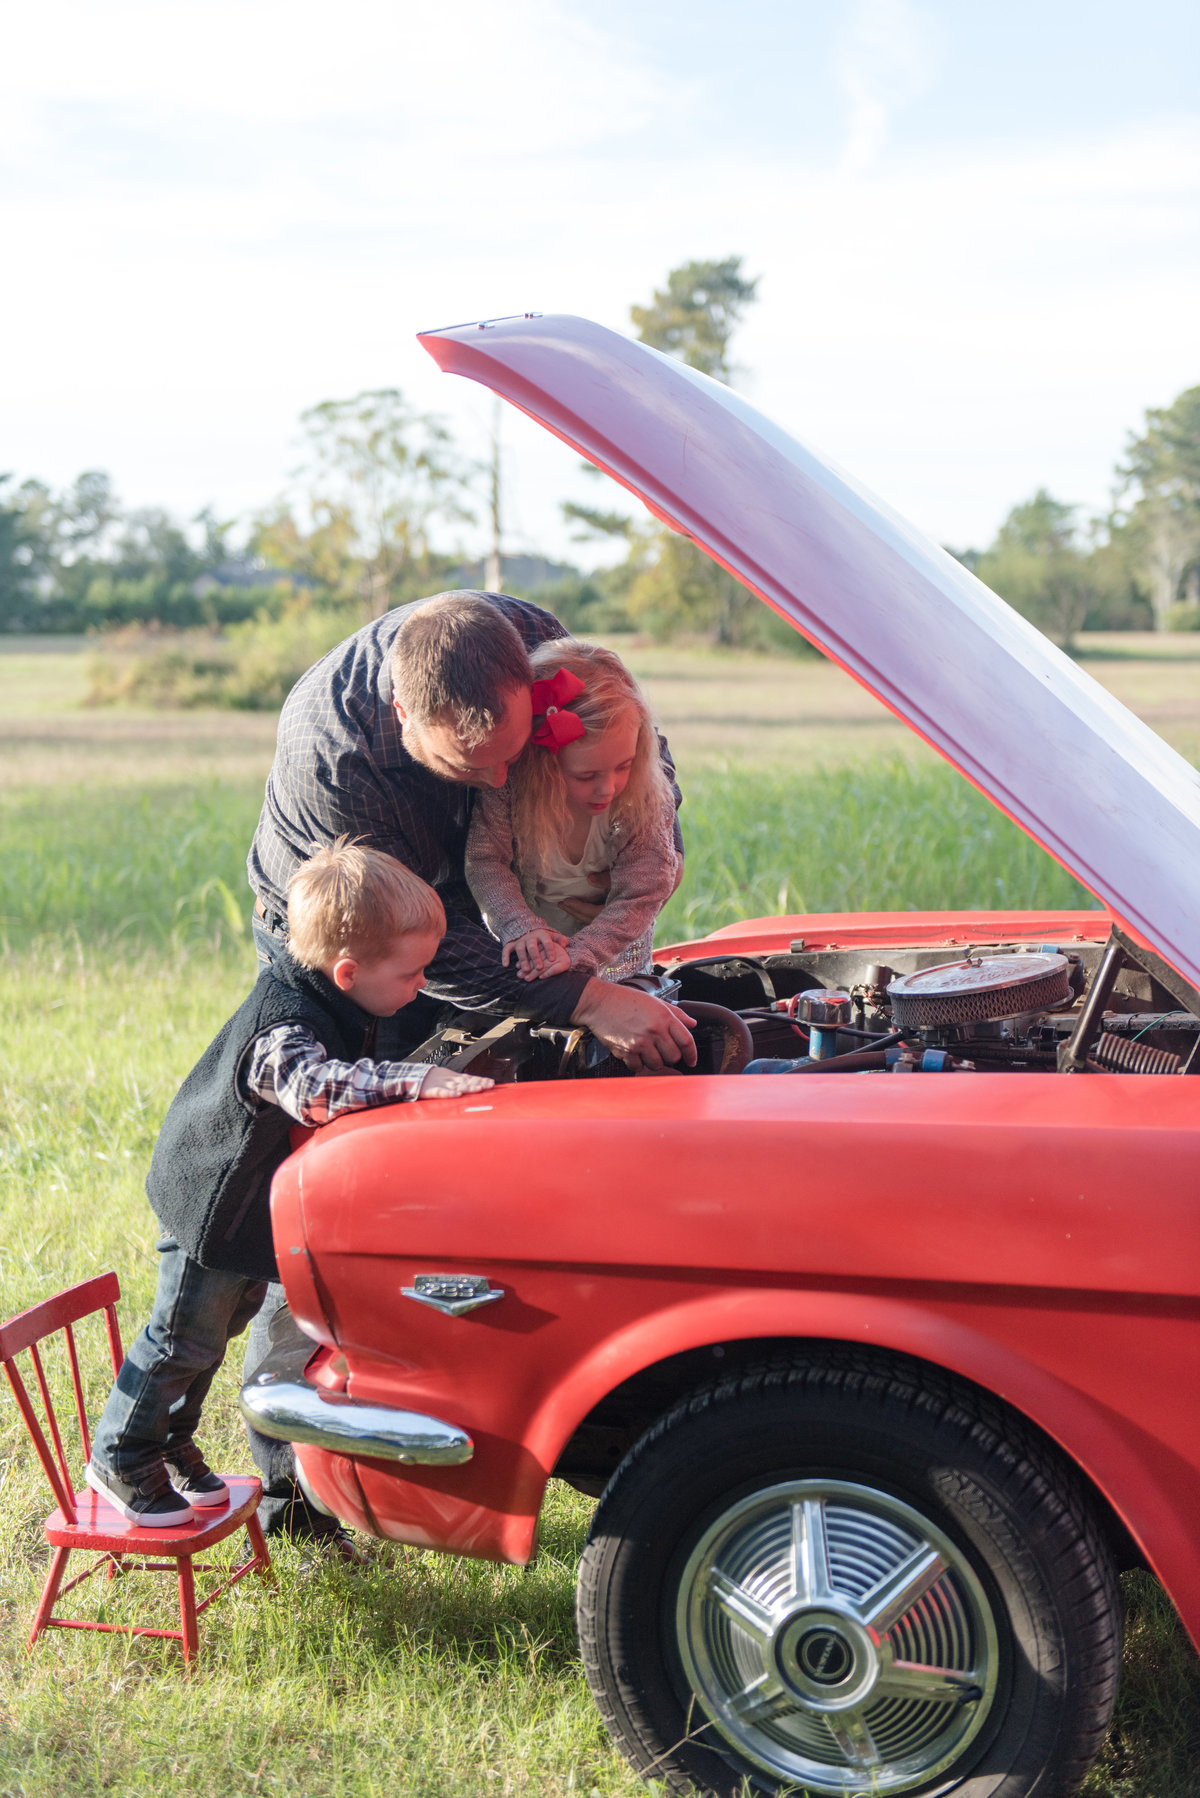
123	944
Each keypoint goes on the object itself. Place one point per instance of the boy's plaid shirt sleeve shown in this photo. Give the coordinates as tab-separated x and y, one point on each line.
288	1067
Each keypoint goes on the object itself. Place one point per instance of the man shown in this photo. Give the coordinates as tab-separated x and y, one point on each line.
384	740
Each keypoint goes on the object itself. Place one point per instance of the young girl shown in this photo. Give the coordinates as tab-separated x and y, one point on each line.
586	808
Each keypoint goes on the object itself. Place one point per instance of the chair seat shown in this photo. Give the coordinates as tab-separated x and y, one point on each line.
100	1525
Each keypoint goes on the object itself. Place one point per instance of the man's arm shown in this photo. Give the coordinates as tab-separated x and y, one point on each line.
466	971
646	1033
643	1031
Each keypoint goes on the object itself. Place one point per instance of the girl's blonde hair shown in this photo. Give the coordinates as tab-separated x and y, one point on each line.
351	900
540	815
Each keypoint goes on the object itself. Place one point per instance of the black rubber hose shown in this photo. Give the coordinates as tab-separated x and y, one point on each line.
873	1039
739	1044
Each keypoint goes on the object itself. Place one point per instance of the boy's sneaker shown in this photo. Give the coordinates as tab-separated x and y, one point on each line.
153	1504
193	1478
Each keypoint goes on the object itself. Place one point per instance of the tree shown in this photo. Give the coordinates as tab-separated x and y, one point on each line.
670	585
1040	566
391	473
1163	464
49	539
695	315
681	589
591	522
323	558
16	559
151	543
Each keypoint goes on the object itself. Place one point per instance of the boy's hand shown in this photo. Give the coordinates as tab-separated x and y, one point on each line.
444	1083
538	953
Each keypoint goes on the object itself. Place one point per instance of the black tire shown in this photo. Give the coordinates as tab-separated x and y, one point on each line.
855	1465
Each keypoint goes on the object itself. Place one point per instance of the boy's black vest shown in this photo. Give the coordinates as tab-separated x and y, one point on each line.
210	1176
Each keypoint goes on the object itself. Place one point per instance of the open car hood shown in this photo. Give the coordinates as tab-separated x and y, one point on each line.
1069	763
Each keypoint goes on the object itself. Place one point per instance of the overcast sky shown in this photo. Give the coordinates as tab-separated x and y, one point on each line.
977	227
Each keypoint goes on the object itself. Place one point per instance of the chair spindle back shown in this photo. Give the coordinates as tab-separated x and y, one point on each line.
24	1333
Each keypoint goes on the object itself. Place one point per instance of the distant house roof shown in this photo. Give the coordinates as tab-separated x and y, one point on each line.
526	572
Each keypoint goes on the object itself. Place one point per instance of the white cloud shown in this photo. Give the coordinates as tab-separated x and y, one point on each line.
476	79
886	61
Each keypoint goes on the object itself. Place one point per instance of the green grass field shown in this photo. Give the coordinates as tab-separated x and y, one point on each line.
123	945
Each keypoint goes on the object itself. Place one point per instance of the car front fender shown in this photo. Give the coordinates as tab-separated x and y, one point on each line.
1152	1489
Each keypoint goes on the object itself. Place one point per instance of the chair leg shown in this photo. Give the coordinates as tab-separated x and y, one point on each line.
258	1543
187	1608
54	1578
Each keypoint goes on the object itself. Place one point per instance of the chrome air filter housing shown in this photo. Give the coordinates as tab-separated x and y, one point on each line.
979	989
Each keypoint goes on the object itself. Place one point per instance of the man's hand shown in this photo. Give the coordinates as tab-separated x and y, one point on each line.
444	1083
538	953
645	1032
587	910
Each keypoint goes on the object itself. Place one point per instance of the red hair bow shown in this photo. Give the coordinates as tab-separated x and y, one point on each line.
557	727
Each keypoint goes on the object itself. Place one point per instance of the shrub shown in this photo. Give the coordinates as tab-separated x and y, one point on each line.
253	667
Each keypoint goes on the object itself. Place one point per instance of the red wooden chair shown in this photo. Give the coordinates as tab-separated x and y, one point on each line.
86	1521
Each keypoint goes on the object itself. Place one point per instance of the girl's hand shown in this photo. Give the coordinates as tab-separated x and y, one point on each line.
444	1083
538	953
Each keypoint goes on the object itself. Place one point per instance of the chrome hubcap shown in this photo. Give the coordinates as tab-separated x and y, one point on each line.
836	1638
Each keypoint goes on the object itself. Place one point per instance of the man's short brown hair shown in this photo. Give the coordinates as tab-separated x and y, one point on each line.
457	658
350	900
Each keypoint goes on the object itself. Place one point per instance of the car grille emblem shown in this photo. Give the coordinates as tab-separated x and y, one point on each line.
455	1294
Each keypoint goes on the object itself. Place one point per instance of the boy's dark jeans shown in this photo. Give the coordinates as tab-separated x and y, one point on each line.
156	1403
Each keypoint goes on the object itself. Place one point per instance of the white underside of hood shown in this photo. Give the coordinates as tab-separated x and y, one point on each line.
1068	762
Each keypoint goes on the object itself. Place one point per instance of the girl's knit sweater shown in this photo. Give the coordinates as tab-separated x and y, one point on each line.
644	869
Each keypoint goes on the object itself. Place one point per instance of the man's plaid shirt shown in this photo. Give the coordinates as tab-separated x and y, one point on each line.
341	766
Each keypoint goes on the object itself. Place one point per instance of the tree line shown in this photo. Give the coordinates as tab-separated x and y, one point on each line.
382	485
1136	566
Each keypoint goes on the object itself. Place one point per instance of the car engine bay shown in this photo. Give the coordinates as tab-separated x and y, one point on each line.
995	1007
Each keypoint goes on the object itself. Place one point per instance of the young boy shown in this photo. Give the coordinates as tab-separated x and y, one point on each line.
362	927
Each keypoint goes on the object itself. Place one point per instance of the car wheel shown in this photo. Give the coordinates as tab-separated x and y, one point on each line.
849	1574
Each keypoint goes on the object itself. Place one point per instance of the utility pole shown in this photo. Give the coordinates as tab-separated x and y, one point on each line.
492	576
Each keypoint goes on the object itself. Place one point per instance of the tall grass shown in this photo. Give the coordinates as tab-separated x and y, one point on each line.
885	836
166	867
124	869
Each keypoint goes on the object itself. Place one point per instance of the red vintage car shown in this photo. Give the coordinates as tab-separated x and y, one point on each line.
880	1376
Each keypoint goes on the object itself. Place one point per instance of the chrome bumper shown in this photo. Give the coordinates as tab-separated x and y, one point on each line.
280	1402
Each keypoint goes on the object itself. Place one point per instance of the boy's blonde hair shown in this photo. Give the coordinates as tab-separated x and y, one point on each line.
354	901
540	816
